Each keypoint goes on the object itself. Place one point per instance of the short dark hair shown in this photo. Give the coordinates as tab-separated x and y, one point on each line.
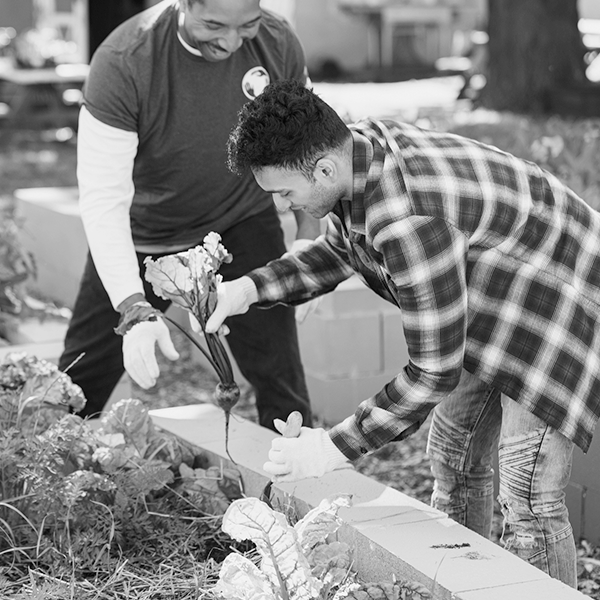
286	126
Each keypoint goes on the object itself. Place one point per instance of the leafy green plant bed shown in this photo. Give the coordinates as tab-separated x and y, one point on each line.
107	511
117	509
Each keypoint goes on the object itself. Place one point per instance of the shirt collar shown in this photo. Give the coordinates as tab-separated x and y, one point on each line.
367	165
188	47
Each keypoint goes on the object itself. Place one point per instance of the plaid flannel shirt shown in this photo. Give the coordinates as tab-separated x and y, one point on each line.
494	264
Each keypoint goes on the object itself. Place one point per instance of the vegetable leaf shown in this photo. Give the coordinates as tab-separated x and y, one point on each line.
283	561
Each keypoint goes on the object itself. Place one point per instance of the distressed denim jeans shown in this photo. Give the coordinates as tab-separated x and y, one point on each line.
534	462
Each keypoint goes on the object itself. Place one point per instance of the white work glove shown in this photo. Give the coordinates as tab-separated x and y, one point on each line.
311	454
138	351
233	298
303	310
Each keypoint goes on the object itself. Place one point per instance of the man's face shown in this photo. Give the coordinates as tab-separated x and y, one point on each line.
292	190
219	27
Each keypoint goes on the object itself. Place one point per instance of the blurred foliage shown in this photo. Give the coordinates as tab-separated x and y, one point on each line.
567	148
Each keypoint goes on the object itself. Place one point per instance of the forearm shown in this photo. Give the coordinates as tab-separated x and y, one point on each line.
104	171
296	278
394	413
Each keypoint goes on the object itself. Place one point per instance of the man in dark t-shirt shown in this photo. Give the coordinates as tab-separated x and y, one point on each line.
163	92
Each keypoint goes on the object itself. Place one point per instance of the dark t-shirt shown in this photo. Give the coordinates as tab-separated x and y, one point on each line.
183	107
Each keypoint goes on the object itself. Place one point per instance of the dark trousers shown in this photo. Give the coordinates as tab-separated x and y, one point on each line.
263	342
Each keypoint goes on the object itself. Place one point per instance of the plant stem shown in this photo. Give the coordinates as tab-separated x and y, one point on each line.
196	343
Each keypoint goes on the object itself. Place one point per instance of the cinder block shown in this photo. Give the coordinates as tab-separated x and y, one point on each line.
575	504
335	399
32	331
341	345
585	466
353	296
389	532
395	350
53	233
590	528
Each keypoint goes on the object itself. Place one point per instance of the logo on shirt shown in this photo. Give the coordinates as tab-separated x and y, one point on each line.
254	82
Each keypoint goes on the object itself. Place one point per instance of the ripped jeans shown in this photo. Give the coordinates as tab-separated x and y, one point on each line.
534	469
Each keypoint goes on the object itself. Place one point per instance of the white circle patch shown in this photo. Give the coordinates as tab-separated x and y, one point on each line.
255	81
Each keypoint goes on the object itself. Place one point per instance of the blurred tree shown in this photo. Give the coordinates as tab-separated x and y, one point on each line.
105	15
535	48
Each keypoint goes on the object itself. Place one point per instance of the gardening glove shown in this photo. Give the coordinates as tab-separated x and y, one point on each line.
233	298
138	351
311	454
303	310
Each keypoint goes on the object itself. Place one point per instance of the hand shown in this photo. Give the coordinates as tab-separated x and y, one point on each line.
138	351
303	310
233	298
311	454
197	328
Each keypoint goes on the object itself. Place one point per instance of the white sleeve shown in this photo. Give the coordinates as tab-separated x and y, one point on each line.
105	158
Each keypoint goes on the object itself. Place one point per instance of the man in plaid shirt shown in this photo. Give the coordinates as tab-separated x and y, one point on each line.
495	266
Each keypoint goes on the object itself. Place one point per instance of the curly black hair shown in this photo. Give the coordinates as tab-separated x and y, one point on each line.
286	126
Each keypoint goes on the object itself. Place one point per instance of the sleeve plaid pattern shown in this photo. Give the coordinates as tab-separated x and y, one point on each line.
306	274
494	264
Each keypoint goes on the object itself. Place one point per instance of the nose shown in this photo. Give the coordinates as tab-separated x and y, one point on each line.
281	204
232	41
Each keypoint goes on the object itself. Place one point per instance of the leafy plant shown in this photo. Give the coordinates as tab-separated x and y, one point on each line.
190	279
16	266
298	562
567	148
75	498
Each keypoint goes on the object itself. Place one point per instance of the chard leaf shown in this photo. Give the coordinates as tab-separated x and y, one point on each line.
283	561
241	579
330	562
321	521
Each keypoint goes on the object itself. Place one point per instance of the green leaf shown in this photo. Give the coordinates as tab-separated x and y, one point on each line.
283	560
321	521
241	579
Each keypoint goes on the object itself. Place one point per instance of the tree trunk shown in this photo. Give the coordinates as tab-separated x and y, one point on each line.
105	15
534	48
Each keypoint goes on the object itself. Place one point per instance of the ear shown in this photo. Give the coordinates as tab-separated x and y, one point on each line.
326	171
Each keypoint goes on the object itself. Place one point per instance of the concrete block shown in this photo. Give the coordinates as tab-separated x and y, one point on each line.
550	589
590	528
32	330
389	532
395	350
342	345
333	399
53	233
353	296
585	466
575	504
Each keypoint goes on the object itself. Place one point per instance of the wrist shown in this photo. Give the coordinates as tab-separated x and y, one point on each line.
334	458
249	289
135	313
134	299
